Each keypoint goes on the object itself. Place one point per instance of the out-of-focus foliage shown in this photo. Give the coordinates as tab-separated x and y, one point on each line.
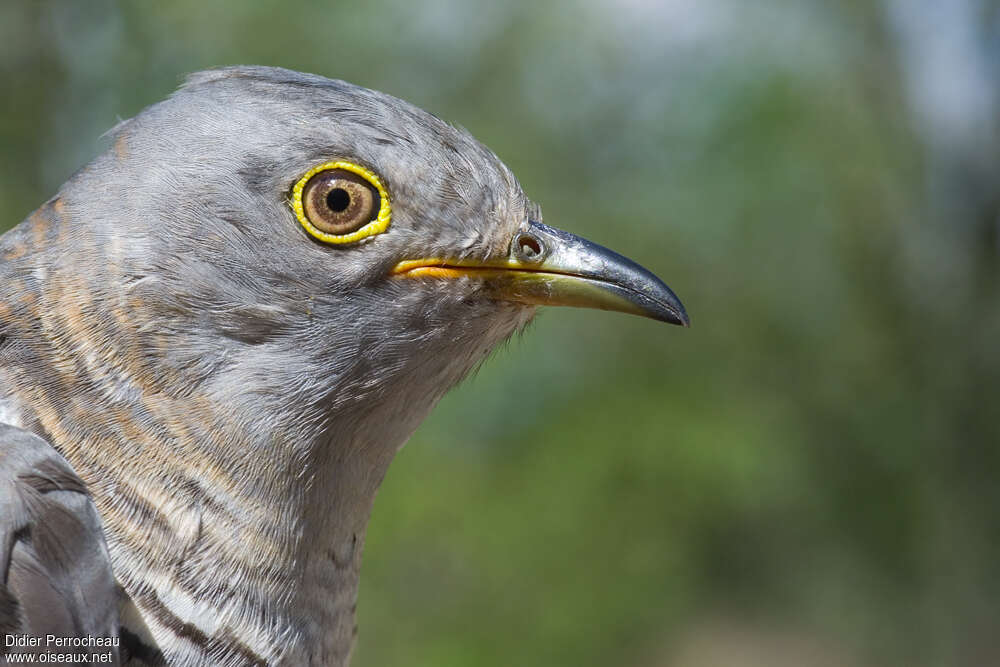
809	476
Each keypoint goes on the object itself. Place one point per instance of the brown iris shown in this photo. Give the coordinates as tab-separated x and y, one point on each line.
337	201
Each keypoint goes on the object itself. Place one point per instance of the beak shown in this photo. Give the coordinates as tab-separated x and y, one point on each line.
550	267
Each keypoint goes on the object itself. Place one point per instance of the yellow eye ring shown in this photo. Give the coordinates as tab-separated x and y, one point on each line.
377	225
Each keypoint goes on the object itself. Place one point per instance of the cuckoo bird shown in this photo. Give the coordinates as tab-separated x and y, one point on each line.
215	337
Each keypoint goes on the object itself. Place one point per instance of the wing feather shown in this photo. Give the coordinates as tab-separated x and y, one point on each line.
56	571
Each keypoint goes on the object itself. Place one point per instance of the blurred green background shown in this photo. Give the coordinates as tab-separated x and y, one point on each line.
808	476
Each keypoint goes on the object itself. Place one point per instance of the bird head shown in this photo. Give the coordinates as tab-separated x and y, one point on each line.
294	240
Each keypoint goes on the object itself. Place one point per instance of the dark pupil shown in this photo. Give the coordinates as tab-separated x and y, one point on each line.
338	200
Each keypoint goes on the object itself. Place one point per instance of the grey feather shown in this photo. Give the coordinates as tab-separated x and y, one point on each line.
56	571
238	388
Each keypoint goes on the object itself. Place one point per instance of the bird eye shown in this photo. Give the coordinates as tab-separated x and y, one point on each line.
337	201
341	202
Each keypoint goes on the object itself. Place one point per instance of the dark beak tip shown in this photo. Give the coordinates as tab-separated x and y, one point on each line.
679	318
668	308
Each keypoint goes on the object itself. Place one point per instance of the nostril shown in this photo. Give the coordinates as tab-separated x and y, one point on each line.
528	247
